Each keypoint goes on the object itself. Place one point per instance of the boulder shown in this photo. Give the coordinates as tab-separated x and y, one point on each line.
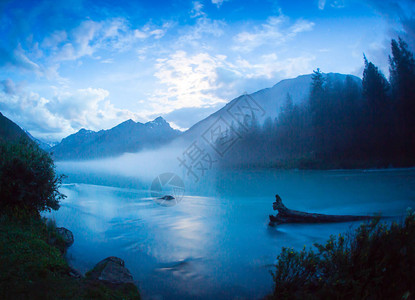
66	235
111	270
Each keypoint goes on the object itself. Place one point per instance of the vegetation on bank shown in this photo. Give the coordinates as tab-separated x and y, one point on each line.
32	265
376	261
343	124
28	181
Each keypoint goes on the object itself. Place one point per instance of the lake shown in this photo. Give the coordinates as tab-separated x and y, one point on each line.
216	242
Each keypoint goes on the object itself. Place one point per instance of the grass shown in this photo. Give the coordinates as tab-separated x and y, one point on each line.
32	266
376	261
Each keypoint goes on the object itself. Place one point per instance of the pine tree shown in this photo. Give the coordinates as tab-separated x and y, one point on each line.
402	77
378	108
375	88
318	104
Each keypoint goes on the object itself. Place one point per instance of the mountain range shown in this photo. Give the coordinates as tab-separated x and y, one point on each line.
131	136
128	136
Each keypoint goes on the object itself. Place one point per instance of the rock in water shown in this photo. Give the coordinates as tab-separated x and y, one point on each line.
167	197
66	234
112	270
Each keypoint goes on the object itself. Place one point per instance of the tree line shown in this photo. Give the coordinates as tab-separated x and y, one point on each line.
343	124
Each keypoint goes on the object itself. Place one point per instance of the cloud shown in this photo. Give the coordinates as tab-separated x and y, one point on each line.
333	3
199	36
62	114
44	57
400	16
190	81
200	32
201	81
8	86
18	59
399	21
197	10
186	117
269	65
273	32
218	2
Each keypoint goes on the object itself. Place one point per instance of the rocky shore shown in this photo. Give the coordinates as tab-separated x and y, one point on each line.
110	271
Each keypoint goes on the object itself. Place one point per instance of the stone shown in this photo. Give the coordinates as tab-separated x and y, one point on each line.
167	197
66	234
112	270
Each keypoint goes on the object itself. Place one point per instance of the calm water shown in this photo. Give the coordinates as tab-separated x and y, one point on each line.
215	243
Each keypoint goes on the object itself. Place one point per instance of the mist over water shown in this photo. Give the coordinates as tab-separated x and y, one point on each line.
216	242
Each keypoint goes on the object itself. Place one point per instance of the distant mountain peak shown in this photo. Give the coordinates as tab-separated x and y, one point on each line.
85	131
129	121
158	121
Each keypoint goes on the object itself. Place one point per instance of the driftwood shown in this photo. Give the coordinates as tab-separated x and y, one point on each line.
286	215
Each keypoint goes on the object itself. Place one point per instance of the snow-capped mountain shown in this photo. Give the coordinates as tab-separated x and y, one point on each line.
42	144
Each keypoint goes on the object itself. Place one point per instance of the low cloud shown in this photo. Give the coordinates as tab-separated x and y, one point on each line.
185	118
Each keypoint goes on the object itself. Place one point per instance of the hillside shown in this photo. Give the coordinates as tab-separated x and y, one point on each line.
10	131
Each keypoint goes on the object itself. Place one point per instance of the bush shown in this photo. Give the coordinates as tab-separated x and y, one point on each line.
377	261
28	182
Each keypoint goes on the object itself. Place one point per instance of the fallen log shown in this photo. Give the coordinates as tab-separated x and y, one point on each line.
286	215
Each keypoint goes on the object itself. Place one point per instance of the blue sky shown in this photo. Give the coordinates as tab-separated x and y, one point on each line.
66	65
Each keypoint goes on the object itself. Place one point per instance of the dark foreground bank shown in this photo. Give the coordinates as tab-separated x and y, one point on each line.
32	266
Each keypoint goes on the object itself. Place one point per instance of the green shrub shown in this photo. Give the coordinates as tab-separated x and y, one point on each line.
28	181
377	261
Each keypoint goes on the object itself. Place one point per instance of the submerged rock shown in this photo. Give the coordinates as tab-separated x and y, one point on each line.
112	270
167	197
66	235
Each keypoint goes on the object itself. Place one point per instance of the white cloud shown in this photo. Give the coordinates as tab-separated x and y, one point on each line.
20	59
190	81
196	9
218	2
197	35
148	31
63	114
113	35
275	31
203	80
269	66
333	3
